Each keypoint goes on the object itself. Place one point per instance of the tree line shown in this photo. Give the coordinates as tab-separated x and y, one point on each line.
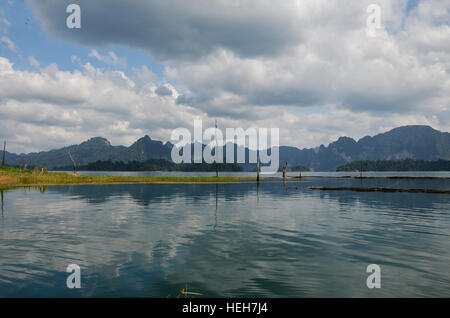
396	165
153	165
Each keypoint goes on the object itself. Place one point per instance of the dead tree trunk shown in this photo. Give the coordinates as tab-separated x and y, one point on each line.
43	171
4	155
73	162
284	170
257	170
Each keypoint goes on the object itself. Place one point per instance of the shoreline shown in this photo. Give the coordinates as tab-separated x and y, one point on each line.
15	178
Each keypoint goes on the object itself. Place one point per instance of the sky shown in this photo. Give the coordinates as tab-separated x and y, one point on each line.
313	69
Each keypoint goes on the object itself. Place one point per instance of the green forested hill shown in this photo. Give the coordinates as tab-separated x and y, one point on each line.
93	150
88	151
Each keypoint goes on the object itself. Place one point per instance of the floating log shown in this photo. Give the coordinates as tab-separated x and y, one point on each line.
435	191
389	178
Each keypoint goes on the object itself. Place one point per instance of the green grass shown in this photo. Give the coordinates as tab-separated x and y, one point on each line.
13	177
13	170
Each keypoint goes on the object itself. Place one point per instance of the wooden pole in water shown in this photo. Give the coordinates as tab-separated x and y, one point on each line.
215	151
284	176
1	193
360	170
257	170
217	206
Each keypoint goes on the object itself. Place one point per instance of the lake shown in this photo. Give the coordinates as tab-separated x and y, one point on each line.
227	240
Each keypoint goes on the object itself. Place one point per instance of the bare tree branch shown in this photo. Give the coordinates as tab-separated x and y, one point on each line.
73	162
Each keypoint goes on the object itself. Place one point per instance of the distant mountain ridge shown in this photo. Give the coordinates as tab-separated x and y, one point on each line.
92	150
144	149
414	142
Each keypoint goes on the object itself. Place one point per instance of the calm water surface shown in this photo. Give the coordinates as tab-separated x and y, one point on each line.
226	240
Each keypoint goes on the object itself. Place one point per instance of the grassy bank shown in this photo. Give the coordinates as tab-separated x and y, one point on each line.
12	177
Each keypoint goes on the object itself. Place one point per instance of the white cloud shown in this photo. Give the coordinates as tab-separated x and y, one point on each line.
5	22
52	108
33	62
307	67
110	59
298	52
75	59
83	103
8	43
